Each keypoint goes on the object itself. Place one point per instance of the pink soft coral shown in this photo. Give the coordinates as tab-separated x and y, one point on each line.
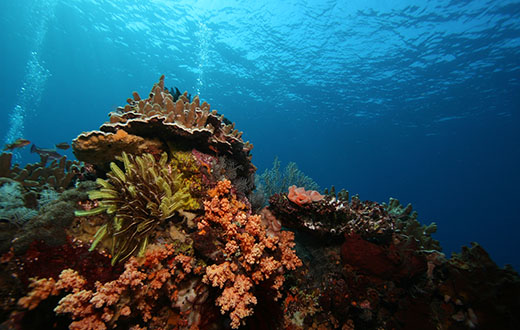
300	196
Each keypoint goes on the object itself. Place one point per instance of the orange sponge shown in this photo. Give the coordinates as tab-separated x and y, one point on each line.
300	196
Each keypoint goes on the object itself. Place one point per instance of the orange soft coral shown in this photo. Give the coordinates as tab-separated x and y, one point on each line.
238	300
41	289
252	255
70	280
300	196
138	290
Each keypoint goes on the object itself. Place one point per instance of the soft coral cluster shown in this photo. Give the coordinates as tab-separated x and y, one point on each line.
251	256
134	294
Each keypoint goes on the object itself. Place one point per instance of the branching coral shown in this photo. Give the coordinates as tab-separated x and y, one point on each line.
142	196
250	255
58	174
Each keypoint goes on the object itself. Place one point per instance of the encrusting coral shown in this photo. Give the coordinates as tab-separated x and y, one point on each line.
142	196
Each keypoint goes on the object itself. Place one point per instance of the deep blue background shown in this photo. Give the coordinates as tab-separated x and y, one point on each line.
420	103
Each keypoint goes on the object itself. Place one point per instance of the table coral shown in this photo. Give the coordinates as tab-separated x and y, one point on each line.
184	123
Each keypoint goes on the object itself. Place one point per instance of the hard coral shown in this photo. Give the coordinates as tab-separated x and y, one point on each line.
58	174
334	216
147	193
185	123
100	148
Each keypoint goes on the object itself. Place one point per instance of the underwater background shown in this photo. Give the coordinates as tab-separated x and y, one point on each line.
382	98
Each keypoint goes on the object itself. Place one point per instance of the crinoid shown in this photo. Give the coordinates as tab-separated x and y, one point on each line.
144	195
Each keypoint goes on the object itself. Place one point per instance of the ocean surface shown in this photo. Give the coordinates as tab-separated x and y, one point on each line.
382	98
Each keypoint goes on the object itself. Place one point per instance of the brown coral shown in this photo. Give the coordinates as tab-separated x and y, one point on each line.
183	123
100	147
58	174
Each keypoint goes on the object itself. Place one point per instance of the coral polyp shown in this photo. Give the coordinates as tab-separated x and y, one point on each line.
138	199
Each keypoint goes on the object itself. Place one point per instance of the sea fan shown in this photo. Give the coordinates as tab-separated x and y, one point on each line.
274	181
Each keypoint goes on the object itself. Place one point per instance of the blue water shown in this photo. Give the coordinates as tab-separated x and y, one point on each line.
383	98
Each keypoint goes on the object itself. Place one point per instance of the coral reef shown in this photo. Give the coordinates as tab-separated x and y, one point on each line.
162	231
380	268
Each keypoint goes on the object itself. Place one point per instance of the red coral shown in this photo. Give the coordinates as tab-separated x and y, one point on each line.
393	261
42	260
